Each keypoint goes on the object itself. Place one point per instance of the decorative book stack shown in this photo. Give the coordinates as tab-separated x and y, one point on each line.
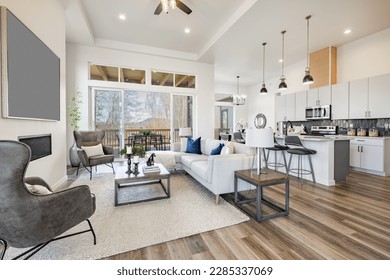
151	169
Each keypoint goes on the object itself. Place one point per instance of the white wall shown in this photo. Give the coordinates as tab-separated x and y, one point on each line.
46	19
362	58
266	103
366	57
78	57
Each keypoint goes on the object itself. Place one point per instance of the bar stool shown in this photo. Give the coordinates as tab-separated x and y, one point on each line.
277	148
299	150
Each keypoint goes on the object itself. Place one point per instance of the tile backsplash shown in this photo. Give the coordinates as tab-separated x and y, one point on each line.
383	125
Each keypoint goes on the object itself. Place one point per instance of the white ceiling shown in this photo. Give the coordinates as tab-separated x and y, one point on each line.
226	33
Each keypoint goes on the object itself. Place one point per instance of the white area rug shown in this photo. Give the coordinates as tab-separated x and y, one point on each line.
190	210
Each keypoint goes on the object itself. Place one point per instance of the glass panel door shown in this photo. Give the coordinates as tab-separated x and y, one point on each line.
182	114
147	119
108	117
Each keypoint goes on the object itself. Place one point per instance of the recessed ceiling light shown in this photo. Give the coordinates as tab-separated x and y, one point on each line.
347	31
187	30
280	60
122	17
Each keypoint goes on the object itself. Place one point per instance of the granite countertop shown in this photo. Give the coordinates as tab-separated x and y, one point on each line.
316	138
334	137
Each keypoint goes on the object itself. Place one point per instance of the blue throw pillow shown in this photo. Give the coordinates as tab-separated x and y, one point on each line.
193	146
217	150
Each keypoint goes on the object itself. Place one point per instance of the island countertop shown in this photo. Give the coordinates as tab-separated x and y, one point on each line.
331	161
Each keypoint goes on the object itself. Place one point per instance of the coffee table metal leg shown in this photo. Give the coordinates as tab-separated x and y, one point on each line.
116	194
235	190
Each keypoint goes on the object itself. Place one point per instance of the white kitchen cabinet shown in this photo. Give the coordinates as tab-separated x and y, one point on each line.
379	96
340	101
280	108
368	154
319	96
300	105
290	107
358	99
285	107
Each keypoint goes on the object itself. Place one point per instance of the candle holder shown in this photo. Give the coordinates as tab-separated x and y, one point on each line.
136	172
128	164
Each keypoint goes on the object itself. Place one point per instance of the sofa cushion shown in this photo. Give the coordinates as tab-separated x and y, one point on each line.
193	146
210	144
217	150
201	168
188	159
38	189
243	149
226	150
183	144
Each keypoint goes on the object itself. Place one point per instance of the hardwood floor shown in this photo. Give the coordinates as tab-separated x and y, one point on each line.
348	221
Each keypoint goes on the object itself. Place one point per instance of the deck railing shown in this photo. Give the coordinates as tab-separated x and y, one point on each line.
112	137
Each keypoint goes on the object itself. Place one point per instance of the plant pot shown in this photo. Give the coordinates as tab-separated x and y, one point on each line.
73	156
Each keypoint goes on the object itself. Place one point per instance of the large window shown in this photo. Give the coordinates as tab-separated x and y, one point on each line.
124	114
135	76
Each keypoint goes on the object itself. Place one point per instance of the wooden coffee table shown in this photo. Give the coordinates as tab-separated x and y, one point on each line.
131	188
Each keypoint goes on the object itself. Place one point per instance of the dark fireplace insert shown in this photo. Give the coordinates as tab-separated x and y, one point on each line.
40	145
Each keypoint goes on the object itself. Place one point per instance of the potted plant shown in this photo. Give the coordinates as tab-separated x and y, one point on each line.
136	151
74	112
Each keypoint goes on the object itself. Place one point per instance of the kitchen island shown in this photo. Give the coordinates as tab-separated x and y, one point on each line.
330	163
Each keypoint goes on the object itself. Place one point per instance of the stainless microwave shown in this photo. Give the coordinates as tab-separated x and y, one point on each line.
318	112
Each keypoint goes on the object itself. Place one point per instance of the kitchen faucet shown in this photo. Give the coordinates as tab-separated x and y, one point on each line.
288	123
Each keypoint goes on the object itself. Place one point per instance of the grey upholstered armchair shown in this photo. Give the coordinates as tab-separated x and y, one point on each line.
34	219
91	139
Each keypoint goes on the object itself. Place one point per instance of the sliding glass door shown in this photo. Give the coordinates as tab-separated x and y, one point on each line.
151	118
108	116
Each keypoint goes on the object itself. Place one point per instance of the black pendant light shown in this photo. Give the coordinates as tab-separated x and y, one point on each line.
283	85
308	79
263	88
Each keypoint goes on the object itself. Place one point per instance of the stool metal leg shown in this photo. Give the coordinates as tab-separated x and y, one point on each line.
285	162
312	170
289	164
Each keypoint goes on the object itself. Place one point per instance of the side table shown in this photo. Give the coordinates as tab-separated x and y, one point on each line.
262	181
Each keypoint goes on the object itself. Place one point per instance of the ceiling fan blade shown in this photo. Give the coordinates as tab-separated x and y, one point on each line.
183	7
158	9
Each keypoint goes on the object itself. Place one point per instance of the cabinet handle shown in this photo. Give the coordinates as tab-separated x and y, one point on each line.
369	113
365	114
361	149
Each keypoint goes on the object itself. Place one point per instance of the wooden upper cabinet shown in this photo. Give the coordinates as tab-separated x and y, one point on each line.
323	67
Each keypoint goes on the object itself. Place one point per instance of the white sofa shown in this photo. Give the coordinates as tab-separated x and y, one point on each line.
215	172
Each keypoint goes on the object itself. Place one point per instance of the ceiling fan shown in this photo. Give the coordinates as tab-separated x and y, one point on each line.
165	5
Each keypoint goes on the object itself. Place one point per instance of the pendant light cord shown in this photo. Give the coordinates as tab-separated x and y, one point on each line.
284	31
307	43
263	59
238	87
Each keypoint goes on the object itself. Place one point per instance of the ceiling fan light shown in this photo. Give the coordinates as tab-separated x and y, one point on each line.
172	4
165	6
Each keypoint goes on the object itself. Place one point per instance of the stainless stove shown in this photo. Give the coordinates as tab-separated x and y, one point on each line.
323	130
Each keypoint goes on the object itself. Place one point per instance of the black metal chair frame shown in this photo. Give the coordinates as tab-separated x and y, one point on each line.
238	139
32	251
277	148
294	141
